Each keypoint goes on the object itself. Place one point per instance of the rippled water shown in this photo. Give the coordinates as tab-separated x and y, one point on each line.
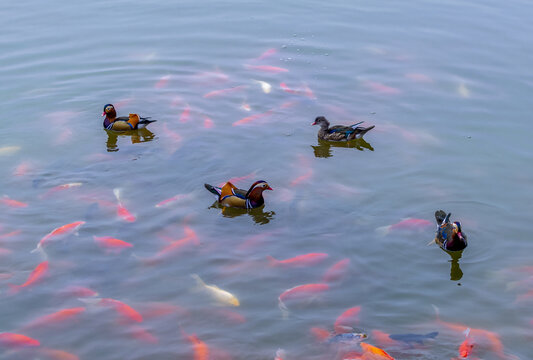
447	85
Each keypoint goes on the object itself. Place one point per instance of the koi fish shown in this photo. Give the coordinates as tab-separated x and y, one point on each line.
141	334
53	354
208	123
36	275
465	349
12	203
367	348
122	212
127	312
245	106
301	260
320	334
185	114
9	150
112	244
17	340
297	293
78	292
227	315
57	232
381	88
383	339
302	178
22	169
162	82
280	354
337	271
175	246
222	296
268	53
59	188
174	136
266	68
172	200
10	234
222	92
162	309
251	118
266	87
55	318
285	88
4	252
200	348
345	320
409	224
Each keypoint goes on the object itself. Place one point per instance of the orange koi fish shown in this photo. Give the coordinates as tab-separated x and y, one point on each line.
122	212
465	349
127	312
383	339
162	82
337	271
22	169
190	238
208	123
55	318
36	275
200	348
172	200
59	188
141	334
370	349
78	292
185	115
406	225
10	234
161	309
17	340
320	334
268	53
112	244
266	68
381	88
12	203
238	179
285	88
222	92
251	118
298	293
227	316
59	232
53	354
301	260
346	320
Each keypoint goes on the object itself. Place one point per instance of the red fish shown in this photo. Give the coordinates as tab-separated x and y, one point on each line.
112	244
36	275
12	203
346	320
285	88
190	238
320	334
304	162
200	348
370	349
228	316
383	339
280	354
22	169
174	137
268	53
162	82
161	309
266	68
141	334
185	115
305	91
406	225
172	200
238	179
59	232
59	188
17	340
301	260
298	293
222	92
208	123
122	212
53	354
10	234
127	312
337	271
57	317
381	88
251	118
78	292
465	349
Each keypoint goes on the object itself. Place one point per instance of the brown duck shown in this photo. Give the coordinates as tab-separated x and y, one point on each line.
449	235
339	132
230	196
123	123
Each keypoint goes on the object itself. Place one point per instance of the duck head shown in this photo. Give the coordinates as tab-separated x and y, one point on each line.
322	121
457	232
255	193
109	111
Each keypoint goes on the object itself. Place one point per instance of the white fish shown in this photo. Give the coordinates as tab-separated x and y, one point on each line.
463	90
222	296
266	87
9	150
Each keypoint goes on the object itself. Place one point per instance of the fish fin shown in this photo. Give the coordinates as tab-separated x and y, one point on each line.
271	260
116	192
39	249
383	230
199	280
437	311
284	309
466	332
13	289
280	354
90	301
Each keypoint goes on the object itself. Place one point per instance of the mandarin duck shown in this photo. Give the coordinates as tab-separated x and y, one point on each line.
449	235
339	132
230	196
123	123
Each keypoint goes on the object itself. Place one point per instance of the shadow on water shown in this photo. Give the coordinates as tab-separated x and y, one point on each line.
323	149
136	136
258	214
455	271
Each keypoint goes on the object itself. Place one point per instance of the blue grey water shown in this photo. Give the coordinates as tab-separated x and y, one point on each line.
446	83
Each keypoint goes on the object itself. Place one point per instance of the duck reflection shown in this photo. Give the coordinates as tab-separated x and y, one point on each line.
323	149
455	271
136	136
259	216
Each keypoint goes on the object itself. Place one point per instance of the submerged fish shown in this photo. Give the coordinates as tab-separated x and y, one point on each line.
414	338
222	296
9	150
36	275
346	338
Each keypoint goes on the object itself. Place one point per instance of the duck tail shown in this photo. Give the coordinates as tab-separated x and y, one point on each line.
214	190
360	132
145	121
440	216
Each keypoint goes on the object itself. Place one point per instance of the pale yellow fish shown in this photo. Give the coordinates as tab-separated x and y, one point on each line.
9	150
463	90
221	296
266	87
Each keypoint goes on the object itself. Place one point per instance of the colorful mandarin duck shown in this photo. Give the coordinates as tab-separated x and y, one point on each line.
123	123
339	132
229	196
449	235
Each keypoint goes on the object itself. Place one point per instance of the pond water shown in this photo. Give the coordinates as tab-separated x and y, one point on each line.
235	86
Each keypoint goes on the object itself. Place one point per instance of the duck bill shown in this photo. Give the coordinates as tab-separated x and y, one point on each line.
313	123
103	114
268	188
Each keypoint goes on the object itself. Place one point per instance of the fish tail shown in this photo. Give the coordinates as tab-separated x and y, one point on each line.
271	261
284	309
116	192
39	249
13	289
437	312
198	280
466	332
383	230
